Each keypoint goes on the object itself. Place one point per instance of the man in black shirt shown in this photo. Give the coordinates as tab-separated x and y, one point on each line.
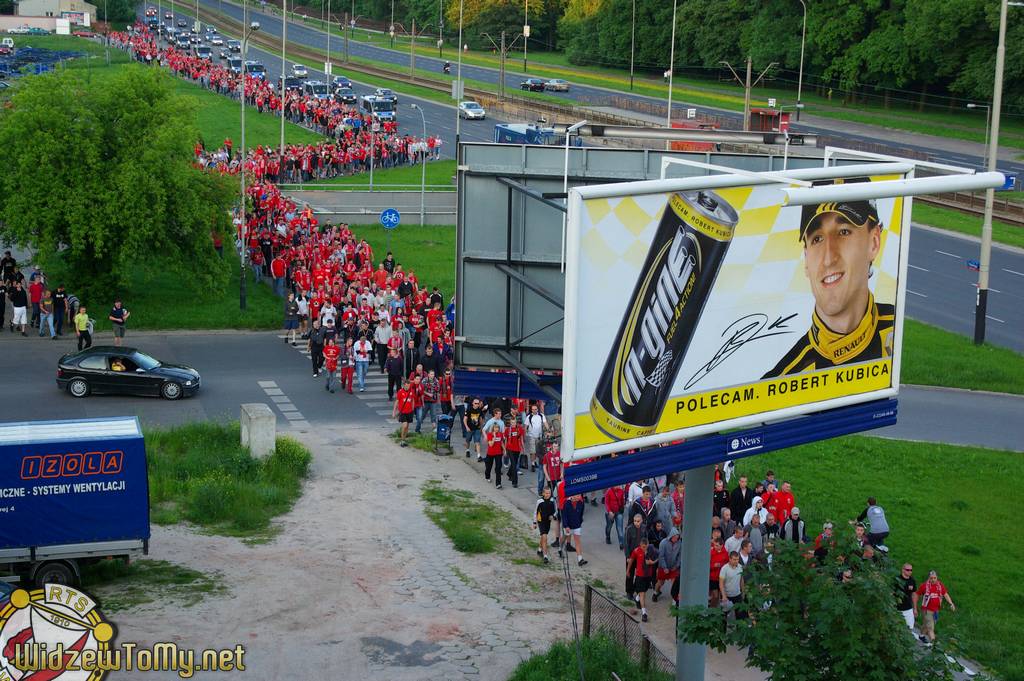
3	301
317	336
474	422
7	265
543	515
905	588
60	309
19	301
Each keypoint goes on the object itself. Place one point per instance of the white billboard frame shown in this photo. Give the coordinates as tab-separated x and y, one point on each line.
575	205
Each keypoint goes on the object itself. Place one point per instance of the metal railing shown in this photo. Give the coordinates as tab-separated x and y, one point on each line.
601	615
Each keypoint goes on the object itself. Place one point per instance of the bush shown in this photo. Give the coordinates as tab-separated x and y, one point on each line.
601	656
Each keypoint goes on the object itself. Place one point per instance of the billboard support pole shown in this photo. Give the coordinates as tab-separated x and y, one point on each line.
695	568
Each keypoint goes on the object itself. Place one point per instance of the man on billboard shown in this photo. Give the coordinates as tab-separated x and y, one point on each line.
841	240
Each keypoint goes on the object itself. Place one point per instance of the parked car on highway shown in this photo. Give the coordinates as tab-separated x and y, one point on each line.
35	30
300	71
533	85
557	85
234	46
216	40
386	93
84	34
20	30
470	110
345	95
110	369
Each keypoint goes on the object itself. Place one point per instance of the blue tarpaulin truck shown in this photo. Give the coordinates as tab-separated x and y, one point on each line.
527	133
71	493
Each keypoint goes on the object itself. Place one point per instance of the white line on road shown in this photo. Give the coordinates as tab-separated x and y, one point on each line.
995	319
918	268
273	391
991	290
916	293
1019	274
267	384
952	255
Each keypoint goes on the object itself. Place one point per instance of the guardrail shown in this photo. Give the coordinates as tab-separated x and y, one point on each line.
364	186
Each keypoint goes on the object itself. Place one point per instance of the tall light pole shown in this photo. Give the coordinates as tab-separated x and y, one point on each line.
284	67
253	27
632	46
565	182
458	86
391	27
440	29
993	150
526	32
988	114
800	77
423	164
671	69
327	25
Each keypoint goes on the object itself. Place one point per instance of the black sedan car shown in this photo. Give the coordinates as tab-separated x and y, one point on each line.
109	369
533	85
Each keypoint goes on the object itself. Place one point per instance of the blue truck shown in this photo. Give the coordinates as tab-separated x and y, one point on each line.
528	133
71	493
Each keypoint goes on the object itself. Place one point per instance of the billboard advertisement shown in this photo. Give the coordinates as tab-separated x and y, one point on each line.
696	310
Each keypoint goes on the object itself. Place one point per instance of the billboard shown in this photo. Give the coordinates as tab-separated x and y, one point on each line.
699	305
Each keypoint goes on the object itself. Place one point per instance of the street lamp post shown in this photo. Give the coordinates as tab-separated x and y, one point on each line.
565	182
988	114
423	165
327	25
253	27
526	32
458	86
800	77
671	69
981	304
284	72
440	29
391	29
632	45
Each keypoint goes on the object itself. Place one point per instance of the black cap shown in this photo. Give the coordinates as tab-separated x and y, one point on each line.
860	213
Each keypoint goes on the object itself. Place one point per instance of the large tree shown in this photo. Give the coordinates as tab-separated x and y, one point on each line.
102	173
807	624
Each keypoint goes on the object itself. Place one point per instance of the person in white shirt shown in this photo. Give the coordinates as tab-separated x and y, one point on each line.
362	351
381	336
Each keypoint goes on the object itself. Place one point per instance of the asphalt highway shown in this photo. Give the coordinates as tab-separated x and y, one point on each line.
305	35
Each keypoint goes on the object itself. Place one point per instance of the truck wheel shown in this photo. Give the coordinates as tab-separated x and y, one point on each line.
170	390
78	387
54	573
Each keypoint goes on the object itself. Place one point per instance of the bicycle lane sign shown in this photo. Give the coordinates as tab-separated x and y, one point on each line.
390	218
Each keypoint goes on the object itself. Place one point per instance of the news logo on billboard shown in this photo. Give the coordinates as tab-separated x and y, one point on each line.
699	310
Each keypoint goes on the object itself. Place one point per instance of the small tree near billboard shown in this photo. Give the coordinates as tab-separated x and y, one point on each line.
807	624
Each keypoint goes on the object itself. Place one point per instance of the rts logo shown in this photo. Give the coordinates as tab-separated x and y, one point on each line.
71	464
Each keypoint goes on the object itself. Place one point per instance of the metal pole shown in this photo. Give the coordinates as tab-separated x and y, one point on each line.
372	149
993	148
241	170
526	37
392	29
746	99
632	46
458	80
284	67
671	70
800	78
327	25
440	29
106	32
345	33
423	169
695	568
501	92
412	51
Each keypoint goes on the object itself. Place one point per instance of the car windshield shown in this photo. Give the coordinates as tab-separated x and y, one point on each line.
319	89
471	105
257	68
383	105
143	361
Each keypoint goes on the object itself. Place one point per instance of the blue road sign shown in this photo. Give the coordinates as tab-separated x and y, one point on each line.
390	218
973	265
1010	184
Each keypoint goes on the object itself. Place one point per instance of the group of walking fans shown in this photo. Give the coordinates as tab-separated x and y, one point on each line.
351	146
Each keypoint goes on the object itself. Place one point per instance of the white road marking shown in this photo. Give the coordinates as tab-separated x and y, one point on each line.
1019	274
916	293
294	416
287	407
991	290
952	255
918	268
267	384
995	319
280	399
273	391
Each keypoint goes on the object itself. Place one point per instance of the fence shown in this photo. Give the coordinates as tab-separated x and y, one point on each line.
601	615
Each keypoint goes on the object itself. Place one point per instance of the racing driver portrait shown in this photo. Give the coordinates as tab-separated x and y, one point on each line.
841	240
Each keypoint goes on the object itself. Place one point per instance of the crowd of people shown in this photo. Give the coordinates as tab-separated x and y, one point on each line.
350	145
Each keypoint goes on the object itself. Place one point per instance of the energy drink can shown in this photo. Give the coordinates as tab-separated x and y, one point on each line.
675	281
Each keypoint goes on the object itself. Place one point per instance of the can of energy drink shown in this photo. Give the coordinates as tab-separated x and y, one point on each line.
675	281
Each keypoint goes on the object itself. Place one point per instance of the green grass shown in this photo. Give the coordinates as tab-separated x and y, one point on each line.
439	174
955	221
199	473
932	356
601	657
939	501
429	250
160	299
475	526
118	585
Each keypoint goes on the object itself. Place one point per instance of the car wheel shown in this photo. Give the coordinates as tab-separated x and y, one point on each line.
54	573
170	390
78	387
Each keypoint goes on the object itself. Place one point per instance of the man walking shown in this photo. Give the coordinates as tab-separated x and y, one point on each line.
315	344
118	317
514	446
431	393
46	314
362	351
381	335
347	363
19	304
668	565
393	367
81	324
291	318
60	310
572	526
331	354
906	589
927	601
405	405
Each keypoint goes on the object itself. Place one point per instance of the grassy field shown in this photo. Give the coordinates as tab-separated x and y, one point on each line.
932	356
119	586
200	474
955	221
939	503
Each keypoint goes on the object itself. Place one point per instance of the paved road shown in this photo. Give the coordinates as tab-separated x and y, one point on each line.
937	147
240	367
942	291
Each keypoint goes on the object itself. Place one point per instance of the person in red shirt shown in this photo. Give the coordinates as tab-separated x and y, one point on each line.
614	505
552	463
331	353
514	446
495	450
445	395
642	562
278	269
719	557
784	501
927	601
405	406
35	294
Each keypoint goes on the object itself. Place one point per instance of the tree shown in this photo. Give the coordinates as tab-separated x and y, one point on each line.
808	625
103	174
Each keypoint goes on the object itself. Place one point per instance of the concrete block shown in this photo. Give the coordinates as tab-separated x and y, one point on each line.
259	429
